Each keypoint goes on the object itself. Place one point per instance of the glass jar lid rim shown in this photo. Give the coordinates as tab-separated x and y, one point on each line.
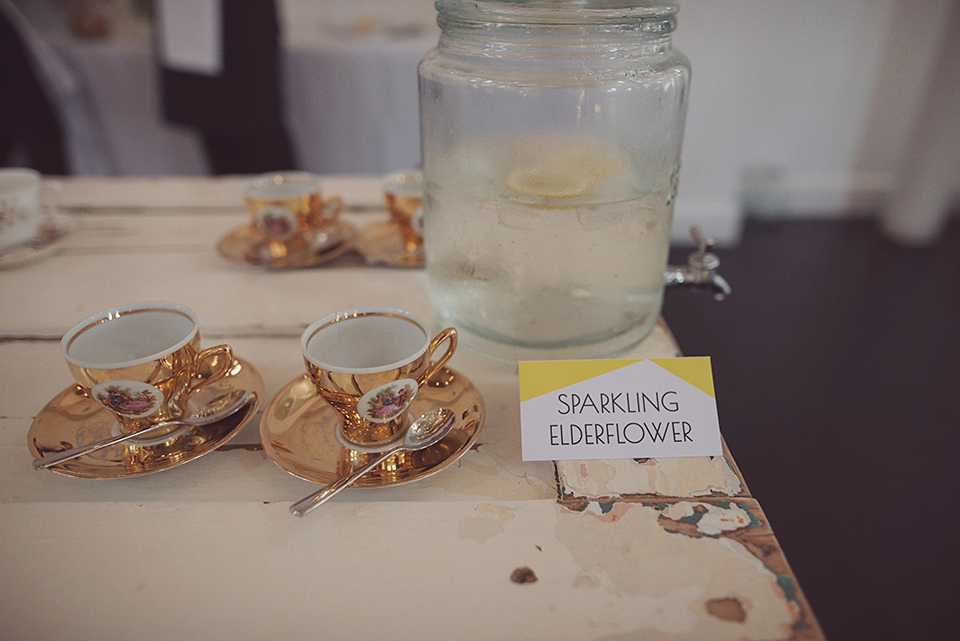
555	11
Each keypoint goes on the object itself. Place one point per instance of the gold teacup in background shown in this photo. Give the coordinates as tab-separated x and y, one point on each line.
368	363
141	361
288	210
404	195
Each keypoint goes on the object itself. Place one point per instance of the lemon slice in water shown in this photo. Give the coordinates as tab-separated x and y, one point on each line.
550	181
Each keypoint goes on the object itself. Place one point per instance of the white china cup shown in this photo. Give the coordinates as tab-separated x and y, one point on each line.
20	207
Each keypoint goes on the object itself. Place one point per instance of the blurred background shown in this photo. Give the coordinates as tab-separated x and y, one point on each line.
806	109
822	152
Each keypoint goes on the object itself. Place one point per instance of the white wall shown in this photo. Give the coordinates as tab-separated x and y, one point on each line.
800	108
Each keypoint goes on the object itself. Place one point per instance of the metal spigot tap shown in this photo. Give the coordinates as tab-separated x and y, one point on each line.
701	268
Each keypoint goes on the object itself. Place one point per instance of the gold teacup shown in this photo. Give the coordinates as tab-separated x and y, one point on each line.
369	363
287	209
404	195
142	361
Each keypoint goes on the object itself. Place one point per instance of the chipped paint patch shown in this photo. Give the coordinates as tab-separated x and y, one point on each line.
710	519
573	505
736	523
671	571
727	609
523	575
478	476
731	485
586	580
674	477
487	524
619	563
607	512
604	511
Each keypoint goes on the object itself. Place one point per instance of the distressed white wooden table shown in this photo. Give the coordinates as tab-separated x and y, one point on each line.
489	548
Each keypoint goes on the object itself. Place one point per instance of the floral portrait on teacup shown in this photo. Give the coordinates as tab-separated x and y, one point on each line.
9	214
277	222
128	398
387	402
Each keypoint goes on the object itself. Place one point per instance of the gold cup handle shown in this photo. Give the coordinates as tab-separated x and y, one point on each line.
449	334
222	352
329	211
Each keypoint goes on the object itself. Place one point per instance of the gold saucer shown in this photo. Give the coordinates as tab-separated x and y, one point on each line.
383	244
246	246
72	418
53	229
298	431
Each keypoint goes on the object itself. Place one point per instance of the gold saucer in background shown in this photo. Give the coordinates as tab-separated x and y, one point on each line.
383	243
247	246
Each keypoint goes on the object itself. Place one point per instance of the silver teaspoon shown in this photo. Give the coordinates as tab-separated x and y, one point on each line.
193	421
427	430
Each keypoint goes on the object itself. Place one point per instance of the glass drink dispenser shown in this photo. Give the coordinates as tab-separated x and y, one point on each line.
551	136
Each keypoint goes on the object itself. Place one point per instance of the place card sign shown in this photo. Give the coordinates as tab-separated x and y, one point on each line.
608	409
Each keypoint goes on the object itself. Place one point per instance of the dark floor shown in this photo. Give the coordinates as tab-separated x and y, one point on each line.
837	369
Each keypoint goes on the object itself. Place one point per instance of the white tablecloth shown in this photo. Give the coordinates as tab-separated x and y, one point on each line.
352	99
350	87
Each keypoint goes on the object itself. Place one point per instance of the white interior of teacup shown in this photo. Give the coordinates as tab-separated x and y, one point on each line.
282	186
130	335
365	340
404	183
